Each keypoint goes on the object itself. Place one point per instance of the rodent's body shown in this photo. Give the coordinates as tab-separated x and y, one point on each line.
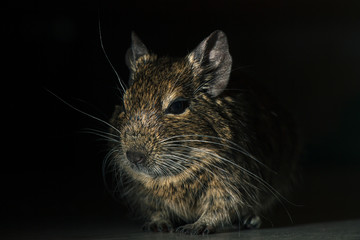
193	158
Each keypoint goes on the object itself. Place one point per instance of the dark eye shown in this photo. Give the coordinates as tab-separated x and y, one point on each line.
178	106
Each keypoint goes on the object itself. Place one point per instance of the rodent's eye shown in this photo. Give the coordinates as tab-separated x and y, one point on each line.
178	106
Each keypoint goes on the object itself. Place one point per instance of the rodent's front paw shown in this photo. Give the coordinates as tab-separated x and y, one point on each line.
251	222
196	229
158	226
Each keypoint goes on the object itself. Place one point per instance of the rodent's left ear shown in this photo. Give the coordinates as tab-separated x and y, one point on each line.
137	50
212	57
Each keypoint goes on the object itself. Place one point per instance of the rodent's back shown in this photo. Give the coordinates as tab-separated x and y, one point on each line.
273	140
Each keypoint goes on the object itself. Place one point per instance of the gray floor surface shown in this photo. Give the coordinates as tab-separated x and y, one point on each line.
349	229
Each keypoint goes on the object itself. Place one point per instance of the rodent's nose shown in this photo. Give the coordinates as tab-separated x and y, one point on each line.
135	157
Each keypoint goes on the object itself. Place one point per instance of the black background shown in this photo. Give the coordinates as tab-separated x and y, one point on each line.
307	53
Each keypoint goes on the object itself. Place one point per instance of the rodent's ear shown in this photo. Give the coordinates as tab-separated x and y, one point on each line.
212	57
137	50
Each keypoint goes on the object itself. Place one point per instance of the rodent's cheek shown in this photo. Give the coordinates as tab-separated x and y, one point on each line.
205	156
124	144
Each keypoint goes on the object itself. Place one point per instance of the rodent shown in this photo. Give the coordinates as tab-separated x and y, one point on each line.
191	156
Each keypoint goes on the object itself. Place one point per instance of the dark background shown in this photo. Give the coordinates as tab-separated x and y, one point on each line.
307	53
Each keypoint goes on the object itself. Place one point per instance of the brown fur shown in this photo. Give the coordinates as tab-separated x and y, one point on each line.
208	167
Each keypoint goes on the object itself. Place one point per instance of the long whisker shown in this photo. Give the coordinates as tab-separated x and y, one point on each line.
185	158
105	136
82	112
167	164
270	188
208	169
237	148
251	174
180	168
102	132
107	58
106	164
158	170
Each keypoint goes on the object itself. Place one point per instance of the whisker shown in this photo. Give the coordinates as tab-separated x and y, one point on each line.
107	58
183	157
236	148
102	132
82	112
107	162
204	165
159	171
103	135
241	68
169	166
271	189
180	167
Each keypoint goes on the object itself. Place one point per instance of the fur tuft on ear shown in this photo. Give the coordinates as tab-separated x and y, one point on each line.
137	50
212	57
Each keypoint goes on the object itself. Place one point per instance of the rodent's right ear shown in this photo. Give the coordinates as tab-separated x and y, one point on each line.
136	51
212	56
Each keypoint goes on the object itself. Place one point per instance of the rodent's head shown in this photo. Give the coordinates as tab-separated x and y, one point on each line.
169	102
